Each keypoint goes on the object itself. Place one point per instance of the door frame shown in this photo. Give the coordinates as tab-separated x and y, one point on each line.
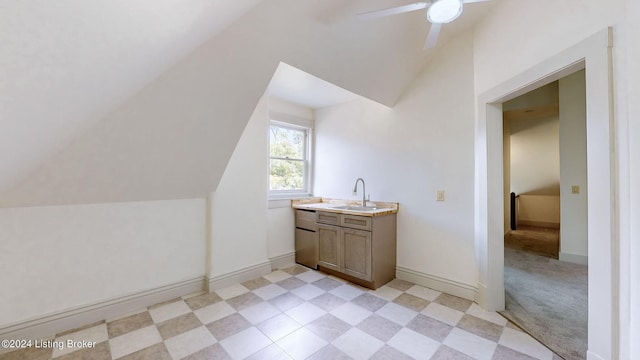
595	56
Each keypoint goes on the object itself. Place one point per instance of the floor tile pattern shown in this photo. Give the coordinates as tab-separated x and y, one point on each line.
297	313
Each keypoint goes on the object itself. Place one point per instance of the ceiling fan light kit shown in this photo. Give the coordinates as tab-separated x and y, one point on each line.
438	12
444	11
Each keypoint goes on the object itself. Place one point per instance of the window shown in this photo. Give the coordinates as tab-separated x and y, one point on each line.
288	159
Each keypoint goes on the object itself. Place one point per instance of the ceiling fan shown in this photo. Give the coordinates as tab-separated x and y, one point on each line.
438	12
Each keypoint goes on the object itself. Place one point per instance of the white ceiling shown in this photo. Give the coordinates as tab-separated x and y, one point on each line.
71	71
298	87
65	63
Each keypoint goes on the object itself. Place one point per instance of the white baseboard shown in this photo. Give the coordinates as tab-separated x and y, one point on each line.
574	258
543	224
593	356
238	276
249	273
437	283
48	325
482	297
283	261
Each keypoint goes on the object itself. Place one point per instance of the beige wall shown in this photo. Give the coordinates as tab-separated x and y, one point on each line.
573	172
57	258
629	298
405	154
535	156
246	228
542	96
539	210
239	227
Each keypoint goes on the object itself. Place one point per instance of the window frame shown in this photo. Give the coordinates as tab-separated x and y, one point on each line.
307	161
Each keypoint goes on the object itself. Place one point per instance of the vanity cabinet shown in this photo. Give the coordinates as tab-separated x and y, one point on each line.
361	249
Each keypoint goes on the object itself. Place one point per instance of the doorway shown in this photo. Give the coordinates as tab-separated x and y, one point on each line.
593	55
545	164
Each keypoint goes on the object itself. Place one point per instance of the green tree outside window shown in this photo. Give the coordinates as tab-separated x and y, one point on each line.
287	149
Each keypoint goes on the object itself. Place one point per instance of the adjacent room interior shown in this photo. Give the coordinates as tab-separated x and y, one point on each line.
546	219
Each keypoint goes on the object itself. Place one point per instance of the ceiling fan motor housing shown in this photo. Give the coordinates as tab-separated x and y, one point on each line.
444	11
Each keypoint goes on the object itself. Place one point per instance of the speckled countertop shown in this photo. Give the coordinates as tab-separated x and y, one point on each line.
329	205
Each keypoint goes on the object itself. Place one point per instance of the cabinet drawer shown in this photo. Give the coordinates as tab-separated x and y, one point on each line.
356	222
306	215
306	219
328	218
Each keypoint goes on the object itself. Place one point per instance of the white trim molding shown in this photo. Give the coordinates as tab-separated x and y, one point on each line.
592	356
574	258
283	261
437	283
237	276
249	273
50	324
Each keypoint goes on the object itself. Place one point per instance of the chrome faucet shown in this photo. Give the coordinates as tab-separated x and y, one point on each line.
355	191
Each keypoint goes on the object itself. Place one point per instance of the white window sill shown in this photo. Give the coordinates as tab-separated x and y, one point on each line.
284	200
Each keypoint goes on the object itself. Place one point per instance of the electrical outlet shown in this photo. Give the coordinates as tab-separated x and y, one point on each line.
575	189
439	195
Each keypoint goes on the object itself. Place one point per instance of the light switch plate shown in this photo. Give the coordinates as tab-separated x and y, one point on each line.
575	189
439	195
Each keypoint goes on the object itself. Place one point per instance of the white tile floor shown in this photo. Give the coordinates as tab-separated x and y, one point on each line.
296	313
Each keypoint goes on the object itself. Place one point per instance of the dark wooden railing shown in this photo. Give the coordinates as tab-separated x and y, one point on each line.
514	211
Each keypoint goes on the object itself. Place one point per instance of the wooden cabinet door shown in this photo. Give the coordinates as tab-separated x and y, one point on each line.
306	245
329	251
356	250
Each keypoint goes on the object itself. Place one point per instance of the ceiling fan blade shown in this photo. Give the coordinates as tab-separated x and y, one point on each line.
432	38
393	11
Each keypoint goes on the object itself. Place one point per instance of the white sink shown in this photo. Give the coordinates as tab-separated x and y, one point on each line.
356	207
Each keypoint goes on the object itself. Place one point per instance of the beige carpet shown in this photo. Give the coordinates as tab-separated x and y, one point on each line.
535	240
544	296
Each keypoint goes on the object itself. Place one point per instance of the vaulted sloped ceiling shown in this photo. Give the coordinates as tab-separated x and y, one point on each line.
141	133
65	63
